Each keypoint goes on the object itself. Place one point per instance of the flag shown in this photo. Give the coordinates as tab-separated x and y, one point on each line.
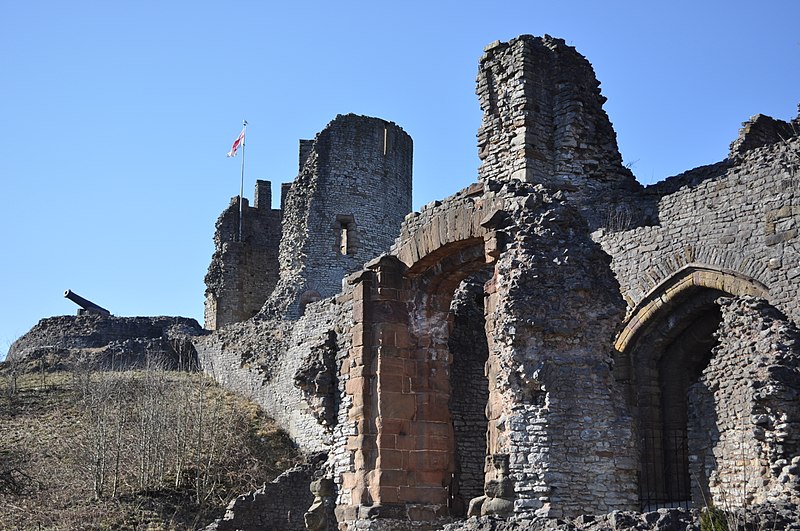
236	143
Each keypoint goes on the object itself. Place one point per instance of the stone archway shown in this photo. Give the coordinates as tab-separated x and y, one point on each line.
398	371
554	424
663	349
673	288
453	374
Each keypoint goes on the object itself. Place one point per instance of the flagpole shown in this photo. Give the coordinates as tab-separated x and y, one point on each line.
241	188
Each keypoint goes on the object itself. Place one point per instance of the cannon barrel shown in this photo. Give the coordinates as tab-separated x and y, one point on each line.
86	304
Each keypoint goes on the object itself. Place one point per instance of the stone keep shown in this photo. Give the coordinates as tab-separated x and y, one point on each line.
344	208
613	346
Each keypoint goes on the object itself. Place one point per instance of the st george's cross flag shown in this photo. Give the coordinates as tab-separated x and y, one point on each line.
236	143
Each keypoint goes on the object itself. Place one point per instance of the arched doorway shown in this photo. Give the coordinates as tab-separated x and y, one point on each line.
668	359
448	332
667	343
417	444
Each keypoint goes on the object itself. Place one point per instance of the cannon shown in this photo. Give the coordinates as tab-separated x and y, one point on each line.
86	306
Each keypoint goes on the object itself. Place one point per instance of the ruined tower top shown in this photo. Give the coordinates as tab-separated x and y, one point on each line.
345	207
543	119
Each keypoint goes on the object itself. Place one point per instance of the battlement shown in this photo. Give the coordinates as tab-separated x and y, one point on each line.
243	271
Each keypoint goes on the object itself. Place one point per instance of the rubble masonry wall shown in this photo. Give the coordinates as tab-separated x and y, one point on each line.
741	215
743	431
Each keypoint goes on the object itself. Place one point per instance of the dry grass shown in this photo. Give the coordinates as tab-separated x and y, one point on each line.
49	451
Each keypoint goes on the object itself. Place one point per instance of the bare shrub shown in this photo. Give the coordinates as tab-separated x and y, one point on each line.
151	430
131	449
618	219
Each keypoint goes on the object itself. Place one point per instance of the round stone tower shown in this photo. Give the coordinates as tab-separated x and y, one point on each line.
344	208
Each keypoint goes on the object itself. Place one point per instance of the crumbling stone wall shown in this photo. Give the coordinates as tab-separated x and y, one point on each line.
741	215
543	122
243	271
261	359
277	506
509	297
396	453
344	208
373	374
725	229
745	414
554	407
761	130
470	390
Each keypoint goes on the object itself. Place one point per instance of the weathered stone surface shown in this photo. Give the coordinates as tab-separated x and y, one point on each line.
759	131
317	378
276	506
244	268
737	216
344	207
260	358
745	431
773	516
543	122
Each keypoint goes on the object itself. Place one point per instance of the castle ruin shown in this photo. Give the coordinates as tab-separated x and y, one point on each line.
553	340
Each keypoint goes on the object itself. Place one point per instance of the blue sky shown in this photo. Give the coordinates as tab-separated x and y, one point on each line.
116	116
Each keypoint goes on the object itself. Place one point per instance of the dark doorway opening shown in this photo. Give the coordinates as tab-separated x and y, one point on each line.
469	389
668	359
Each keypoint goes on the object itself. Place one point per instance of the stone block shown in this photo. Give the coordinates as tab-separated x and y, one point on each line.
393	426
386	441
428	460
358	332
358	311
392	460
432	429
383	478
387	363
381	494
423	495
409	442
433	406
397	405
356	385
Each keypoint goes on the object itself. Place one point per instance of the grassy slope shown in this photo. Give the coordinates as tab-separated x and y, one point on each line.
46	479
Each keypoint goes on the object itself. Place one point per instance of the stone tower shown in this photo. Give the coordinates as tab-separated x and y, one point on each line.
343	209
543	122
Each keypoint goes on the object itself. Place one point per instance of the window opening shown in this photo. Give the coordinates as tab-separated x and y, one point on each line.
344	229
343	247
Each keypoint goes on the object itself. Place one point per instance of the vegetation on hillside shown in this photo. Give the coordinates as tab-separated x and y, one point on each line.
147	449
